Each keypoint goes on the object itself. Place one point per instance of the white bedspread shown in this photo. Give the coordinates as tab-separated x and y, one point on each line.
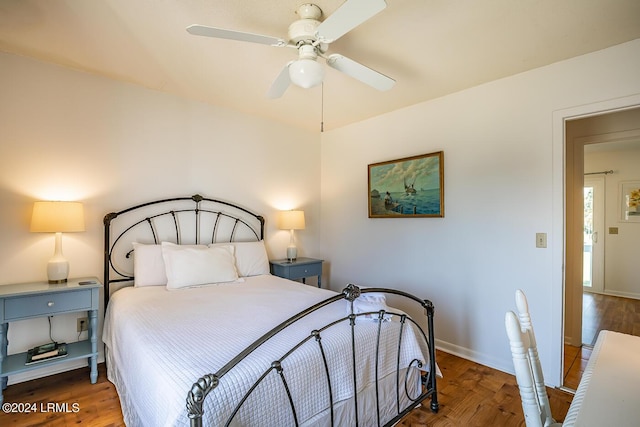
160	342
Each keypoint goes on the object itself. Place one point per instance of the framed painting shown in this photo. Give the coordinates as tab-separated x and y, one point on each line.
630	201
410	187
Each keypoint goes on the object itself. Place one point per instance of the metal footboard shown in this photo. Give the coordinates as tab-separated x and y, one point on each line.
208	383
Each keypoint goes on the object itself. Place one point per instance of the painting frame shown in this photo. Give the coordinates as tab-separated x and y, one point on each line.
629	201
423	179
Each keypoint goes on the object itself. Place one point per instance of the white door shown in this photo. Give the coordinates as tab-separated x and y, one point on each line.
593	274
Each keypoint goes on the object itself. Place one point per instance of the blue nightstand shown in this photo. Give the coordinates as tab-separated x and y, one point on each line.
301	268
40	299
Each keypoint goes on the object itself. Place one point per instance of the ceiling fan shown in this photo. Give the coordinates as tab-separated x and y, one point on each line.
312	38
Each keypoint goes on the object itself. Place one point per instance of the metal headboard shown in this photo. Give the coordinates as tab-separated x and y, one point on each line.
182	220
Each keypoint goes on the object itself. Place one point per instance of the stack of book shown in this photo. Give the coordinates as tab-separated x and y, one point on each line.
53	350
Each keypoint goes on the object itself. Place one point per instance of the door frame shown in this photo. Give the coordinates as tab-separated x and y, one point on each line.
566	298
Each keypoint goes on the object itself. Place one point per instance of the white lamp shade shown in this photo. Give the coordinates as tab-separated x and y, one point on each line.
306	73
56	217
291	220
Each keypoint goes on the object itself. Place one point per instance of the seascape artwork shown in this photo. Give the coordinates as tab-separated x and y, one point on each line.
409	187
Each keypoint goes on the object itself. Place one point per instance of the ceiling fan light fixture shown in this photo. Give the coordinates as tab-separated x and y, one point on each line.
311	38
306	73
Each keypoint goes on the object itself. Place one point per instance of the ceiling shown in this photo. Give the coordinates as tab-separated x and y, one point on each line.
430	47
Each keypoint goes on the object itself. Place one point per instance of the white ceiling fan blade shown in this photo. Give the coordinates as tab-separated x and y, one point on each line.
281	83
359	72
348	16
220	33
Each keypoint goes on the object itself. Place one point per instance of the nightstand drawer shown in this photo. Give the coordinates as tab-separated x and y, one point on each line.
23	307
299	271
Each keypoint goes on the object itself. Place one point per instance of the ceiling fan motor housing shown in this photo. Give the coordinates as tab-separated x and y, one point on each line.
303	30
305	71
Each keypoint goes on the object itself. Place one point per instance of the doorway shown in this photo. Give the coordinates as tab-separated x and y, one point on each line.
585	237
593	236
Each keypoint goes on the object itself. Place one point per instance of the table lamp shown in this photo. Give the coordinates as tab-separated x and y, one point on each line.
57	217
292	220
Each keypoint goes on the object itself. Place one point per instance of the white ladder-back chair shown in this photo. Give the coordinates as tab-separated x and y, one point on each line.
535	402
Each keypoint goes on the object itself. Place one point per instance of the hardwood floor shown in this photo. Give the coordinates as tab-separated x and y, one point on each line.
605	312
575	362
469	395
475	395
80	402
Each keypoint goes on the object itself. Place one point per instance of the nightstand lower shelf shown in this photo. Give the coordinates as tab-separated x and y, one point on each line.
15	363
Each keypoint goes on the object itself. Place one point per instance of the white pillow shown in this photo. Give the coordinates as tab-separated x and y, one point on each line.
148	265
251	258
193	266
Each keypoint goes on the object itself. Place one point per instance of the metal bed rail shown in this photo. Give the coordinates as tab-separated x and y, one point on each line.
207	383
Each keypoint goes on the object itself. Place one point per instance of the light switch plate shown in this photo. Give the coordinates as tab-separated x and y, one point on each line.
541	240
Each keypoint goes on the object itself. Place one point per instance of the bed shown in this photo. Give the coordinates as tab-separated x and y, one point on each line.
197	332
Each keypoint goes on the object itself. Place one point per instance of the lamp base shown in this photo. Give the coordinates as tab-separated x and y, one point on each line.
292	253
57	271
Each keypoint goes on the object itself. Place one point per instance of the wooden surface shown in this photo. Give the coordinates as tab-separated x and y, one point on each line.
611	313
298	269
575	362
97	404
475	395
469	394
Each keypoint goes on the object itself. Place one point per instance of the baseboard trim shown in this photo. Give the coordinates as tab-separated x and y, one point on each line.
475	356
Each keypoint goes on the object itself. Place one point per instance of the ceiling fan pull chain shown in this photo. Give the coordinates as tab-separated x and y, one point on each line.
322	107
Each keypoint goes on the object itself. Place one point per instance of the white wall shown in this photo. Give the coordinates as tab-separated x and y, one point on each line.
622	250
67	135
70	135
503	184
